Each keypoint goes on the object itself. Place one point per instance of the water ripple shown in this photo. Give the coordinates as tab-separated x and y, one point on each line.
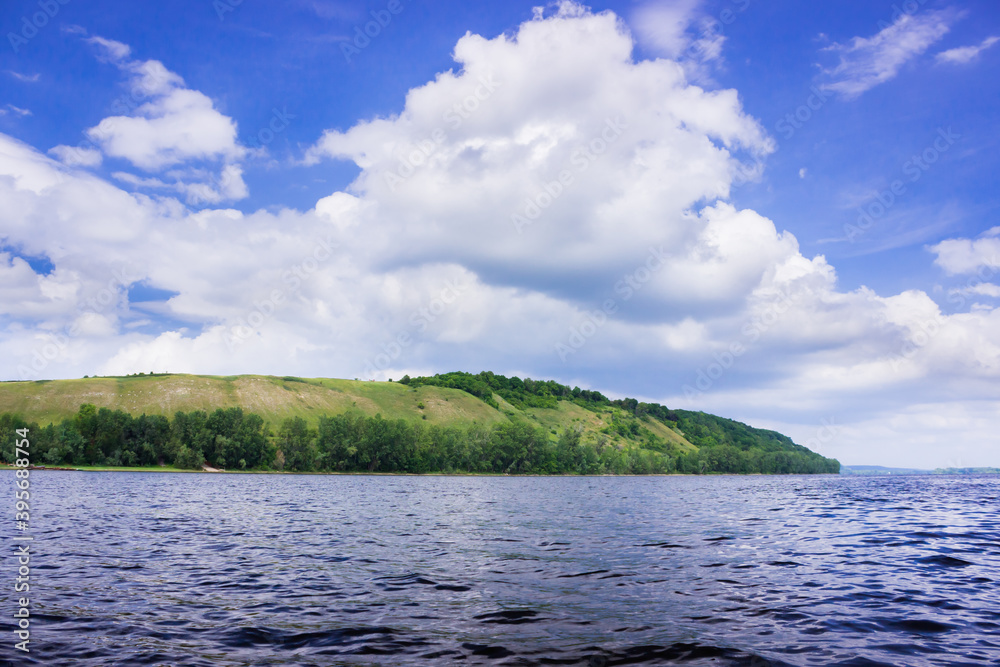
155	569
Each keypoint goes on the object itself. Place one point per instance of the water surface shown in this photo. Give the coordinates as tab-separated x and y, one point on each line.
186	569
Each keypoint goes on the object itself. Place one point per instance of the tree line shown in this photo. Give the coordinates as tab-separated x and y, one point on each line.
699	428
232	438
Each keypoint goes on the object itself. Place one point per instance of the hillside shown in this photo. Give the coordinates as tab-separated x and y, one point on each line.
273	398
263	421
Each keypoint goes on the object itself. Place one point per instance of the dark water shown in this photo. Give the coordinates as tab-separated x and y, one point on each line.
161	569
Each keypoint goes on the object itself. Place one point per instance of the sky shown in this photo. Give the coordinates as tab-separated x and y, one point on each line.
784	213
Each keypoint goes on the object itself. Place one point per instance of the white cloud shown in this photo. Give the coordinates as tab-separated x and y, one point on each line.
908	437
663	26
25	78
802	172
110	50
19	111
868	62
28	295
197	186
682	31
75	156
166	123
991	290
965	54
967	256
179	126
639	149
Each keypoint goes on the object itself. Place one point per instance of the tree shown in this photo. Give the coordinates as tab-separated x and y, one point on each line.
297	442
189	459
9	425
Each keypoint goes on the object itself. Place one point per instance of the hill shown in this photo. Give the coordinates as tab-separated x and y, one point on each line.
264	422
273	398
881	470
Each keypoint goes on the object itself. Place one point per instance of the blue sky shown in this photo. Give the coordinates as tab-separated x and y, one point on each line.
779	212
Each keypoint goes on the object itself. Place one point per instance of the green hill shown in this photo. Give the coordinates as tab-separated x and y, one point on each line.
450	422
273	398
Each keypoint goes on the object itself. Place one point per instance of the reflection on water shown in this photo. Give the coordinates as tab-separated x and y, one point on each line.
175	569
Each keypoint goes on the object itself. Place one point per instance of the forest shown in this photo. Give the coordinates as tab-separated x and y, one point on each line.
234	439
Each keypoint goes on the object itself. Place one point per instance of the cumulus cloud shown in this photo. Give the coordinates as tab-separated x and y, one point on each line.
76	156
555	177
162	122
991	290
967	256
681	30
197	186
663	26
866	62
965	54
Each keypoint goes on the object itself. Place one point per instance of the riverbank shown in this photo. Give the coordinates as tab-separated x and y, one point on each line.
171	469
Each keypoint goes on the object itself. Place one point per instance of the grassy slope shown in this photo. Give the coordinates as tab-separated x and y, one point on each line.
276	398
591	423
271	397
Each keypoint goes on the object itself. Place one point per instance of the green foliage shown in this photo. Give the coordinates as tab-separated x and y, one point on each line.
114	437
9	424
740	448
189	458
297	443
520	393
354	442
235	435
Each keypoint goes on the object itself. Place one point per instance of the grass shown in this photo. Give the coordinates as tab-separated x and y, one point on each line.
66	467
277	398
274	398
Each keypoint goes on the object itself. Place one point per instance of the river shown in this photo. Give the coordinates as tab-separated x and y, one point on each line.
204	569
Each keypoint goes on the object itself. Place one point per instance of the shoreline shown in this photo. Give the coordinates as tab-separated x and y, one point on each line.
167	469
